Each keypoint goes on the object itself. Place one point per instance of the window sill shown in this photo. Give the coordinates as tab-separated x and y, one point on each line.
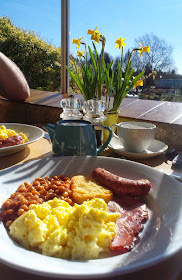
44	107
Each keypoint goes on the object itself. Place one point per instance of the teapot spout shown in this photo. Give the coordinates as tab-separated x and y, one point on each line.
50	129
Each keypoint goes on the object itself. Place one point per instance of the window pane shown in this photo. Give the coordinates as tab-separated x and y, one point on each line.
156	23
31	37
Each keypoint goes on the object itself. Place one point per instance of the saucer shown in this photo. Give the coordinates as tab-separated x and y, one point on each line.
156	148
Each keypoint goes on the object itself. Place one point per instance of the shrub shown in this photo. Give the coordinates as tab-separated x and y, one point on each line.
39	61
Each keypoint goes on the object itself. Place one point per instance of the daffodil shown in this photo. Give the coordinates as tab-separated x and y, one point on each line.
143	49
99	78
77	41
92	32
139	83
120	43
80	54
96	35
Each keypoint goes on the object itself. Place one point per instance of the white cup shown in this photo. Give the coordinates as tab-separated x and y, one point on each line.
136	137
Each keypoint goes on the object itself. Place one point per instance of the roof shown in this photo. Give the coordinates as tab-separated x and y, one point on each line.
169	84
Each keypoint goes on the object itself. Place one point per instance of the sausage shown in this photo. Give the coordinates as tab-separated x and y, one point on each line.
121	186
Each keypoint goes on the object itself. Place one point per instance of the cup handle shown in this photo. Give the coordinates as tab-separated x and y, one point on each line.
114	134
102	148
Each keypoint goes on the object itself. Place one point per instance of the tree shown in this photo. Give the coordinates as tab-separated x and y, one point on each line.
118	60
38	60
107	58
160	56
115	64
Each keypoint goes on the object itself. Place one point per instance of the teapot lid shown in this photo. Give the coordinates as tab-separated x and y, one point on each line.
73	122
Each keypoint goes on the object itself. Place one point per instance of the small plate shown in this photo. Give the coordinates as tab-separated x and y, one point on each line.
156	148
33	133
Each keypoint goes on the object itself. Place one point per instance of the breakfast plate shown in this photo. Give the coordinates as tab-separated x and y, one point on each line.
159	241
156	148
33	133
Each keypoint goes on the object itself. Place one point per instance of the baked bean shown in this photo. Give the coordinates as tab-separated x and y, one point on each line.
58	192
22	188
61	188
66	185
36	183
8	223
10	212
51	180
38	179
31	189
16	204
12	195
67	179
35	196
32	202
24	200
17	196
21	211
40	190
42	193
65	194
24	207
68	200
69	192
27	184
53	187
28	195
50	196
6	204
34	192
40	200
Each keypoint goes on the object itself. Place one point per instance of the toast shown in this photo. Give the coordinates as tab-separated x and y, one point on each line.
84	189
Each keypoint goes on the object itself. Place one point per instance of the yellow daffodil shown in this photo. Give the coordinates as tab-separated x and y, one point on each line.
139	83
143	49
120	43
77	41
96	35
92	32
80	54
116	83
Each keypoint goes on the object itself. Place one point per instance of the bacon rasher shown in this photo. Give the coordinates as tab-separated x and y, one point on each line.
133	216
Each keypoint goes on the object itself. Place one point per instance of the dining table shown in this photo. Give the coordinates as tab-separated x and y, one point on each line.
171	269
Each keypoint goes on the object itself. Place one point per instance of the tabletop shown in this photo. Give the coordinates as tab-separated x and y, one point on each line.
169	270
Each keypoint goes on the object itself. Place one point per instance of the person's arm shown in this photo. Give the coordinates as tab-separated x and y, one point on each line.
13	84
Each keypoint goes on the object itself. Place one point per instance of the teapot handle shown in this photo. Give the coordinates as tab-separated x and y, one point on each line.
51	130
102	148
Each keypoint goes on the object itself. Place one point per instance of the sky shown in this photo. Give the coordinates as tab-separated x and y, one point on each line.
115	18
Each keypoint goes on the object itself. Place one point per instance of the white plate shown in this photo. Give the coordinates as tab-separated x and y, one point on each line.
160	239
33	133
156	148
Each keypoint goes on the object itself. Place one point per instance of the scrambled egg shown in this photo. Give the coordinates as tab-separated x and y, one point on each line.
60	230
5	133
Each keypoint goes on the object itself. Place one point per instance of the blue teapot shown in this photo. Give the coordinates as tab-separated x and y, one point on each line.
75	138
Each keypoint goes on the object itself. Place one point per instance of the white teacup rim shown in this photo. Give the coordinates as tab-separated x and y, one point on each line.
146	125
